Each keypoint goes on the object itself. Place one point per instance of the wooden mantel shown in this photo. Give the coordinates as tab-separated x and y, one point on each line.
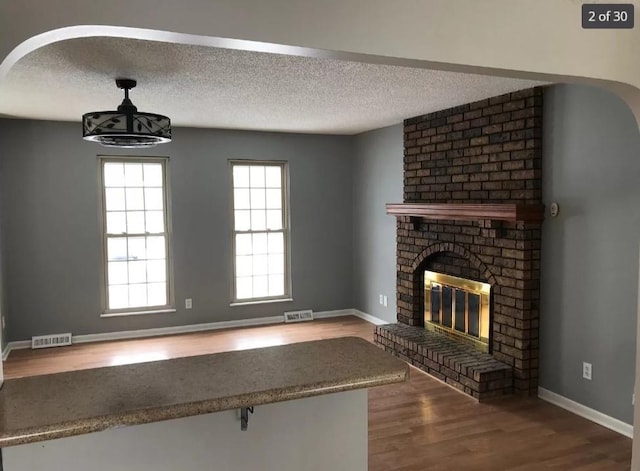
469	212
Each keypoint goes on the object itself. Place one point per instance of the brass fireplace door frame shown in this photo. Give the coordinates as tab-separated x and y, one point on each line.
468	286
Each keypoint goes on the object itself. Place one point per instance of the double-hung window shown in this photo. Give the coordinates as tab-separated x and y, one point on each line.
136	236
261	231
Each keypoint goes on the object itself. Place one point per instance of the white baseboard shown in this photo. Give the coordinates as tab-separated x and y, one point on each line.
181	329
329	314
583	411
18	345
368	317
185	329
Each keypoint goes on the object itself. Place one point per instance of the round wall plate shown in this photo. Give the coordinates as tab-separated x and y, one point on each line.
554	209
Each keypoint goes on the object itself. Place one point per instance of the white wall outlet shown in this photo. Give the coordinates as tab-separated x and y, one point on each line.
586	370
381	299
384	301
188	303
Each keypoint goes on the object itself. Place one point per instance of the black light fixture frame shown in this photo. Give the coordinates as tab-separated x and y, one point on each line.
126	127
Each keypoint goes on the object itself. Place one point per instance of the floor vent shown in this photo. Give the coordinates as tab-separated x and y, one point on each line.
45	341
298	316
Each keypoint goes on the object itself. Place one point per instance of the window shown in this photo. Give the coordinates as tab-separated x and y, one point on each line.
135	235
261	231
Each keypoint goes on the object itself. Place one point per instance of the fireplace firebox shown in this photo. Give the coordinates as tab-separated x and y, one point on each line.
458	307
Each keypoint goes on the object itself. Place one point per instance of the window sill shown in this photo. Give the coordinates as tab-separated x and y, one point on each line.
260	301
137	313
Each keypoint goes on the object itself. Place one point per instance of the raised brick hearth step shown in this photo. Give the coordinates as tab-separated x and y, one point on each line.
462	366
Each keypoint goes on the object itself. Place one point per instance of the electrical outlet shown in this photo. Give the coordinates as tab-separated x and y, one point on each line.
381	299
188	303
586	370
384	301
4	322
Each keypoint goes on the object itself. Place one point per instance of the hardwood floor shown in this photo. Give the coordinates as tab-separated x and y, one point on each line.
419	425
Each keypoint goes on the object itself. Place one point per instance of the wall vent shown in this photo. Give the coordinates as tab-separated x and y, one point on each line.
55	340
298	316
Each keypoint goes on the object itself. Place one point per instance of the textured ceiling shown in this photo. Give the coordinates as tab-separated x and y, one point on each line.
221	88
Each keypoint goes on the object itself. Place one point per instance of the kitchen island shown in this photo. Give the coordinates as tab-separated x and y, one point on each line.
309	405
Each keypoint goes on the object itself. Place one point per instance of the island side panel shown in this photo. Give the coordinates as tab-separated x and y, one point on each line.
317	433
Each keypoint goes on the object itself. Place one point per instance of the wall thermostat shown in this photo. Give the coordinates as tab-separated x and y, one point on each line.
555	209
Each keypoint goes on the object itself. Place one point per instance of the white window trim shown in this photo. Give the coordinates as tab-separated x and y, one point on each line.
287	296
143	310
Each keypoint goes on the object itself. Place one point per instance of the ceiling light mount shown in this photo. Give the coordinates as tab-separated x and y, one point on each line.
126	85
126	127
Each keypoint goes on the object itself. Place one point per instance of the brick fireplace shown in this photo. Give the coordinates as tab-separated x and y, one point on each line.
472	209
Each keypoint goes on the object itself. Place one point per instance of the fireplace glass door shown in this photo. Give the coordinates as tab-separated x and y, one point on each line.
457	306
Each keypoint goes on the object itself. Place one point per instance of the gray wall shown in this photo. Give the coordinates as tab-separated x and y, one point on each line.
591	168
52	240
378	174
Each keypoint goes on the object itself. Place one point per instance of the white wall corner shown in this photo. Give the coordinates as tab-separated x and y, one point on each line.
593	415
5	351
2	358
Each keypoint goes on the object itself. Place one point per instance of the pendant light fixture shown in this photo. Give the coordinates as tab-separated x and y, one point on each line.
126	127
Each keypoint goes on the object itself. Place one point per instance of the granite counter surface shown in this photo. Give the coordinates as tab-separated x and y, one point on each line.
60	405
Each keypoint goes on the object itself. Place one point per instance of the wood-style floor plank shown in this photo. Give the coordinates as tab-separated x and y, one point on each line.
420	425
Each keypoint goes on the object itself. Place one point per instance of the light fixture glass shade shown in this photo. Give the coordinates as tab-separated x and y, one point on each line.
126	127
117	129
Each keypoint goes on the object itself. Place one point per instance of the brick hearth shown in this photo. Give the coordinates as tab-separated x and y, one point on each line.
459	365
483	152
